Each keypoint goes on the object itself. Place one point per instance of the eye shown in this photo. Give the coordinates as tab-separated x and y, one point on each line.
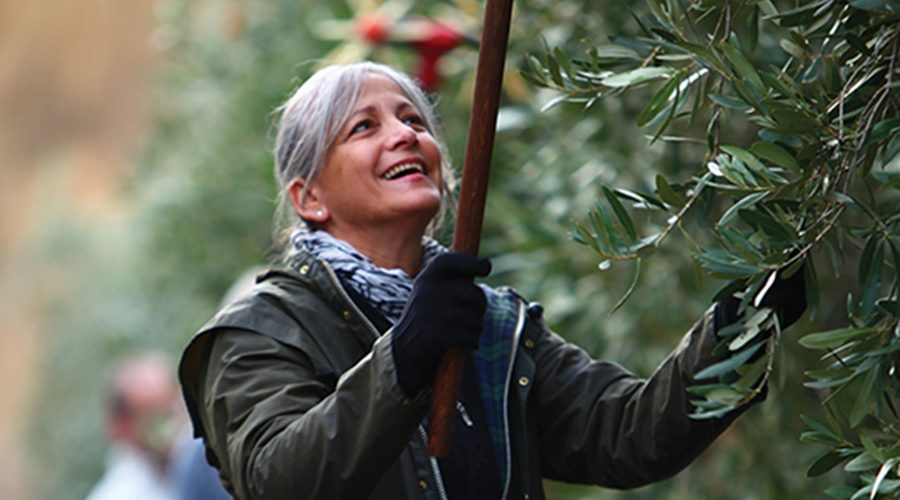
415	121
361	126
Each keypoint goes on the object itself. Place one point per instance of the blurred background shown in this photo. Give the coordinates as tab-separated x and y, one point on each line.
136	186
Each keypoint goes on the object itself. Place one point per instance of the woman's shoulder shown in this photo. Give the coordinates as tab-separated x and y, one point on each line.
282	306
280	296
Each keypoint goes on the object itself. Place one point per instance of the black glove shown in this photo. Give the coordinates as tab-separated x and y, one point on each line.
787	296
445	309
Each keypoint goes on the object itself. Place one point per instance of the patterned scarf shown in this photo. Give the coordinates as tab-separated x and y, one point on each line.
386	289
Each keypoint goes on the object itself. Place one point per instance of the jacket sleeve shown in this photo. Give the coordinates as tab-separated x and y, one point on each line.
279	433
600	424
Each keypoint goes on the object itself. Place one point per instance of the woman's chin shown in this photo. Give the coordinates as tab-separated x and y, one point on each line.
422	210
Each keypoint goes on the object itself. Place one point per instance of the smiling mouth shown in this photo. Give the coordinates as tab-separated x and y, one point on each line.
403	170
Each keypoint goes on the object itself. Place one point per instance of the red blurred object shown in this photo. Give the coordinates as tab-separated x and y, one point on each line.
430	38
373	28
435	40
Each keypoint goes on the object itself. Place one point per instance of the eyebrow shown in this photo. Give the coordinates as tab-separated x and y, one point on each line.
404	105
363	111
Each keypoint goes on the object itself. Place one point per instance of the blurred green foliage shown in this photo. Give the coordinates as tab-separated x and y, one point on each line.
201	201
813	173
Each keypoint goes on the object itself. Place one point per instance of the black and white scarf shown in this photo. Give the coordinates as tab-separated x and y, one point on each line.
386	289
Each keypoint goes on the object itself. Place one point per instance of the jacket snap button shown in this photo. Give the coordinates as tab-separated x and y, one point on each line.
523	381
423	485
346	314
304	269
529	343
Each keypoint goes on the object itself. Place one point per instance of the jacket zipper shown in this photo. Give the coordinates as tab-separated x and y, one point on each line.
464	414
520	325
435	468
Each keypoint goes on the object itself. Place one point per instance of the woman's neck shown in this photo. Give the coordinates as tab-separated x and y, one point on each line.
387	249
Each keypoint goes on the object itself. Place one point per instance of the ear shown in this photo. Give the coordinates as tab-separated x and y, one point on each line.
307	204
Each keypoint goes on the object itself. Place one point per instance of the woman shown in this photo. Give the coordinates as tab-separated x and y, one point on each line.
316	384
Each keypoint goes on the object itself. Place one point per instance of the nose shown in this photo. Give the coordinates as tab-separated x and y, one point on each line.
401	134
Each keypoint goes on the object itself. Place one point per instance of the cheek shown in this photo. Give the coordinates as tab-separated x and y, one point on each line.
341	172
439	180
433	154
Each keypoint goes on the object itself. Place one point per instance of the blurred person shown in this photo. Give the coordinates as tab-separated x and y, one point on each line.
316	383
143	416
192	476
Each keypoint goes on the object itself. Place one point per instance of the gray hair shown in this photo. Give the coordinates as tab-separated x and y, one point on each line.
310	121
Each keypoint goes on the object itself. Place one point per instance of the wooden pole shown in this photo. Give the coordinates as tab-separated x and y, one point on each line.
476	172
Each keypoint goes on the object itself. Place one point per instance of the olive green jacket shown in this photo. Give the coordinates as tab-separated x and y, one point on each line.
296	396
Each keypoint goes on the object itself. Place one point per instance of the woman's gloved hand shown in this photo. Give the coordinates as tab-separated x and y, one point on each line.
787	296
445	309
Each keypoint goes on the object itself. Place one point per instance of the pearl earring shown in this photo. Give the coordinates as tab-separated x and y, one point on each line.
320	213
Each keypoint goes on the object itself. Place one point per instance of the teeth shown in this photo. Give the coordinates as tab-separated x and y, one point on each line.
396	171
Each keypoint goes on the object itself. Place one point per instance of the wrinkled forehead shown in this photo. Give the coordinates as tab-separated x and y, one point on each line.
381	89
375	85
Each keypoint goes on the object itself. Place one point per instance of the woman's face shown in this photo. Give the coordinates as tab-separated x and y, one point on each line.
384	167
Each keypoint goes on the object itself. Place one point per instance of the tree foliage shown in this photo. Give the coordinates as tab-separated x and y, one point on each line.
797	154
